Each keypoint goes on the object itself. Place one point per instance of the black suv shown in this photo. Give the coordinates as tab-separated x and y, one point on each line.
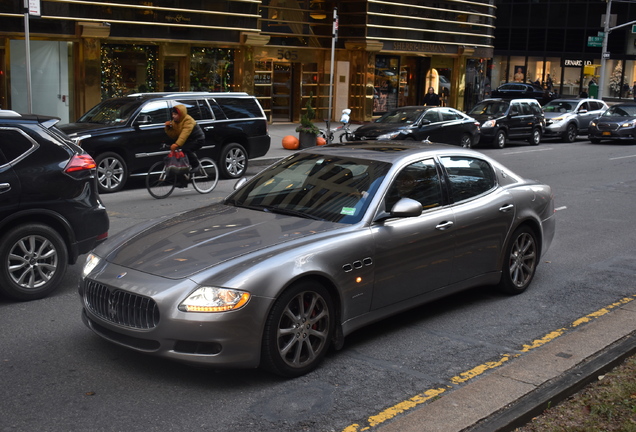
517	119
50	211
125	134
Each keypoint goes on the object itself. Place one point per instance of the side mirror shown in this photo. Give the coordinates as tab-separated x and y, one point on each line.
143	119
582	111
240	183
425	122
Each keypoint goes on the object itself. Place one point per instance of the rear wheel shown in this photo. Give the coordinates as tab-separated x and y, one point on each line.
206	178
233	161
159	183
298	330
520	262
500	140
535	138
33	260
111	172
570	134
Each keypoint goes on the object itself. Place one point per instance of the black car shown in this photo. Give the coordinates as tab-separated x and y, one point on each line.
501	120
125	134
419	123
515	90
617	123
50	211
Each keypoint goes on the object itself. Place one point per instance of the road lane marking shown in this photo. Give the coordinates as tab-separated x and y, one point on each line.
622	157
413	402
528	151
560	208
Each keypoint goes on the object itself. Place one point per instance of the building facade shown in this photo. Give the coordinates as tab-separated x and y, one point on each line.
386	53
558	43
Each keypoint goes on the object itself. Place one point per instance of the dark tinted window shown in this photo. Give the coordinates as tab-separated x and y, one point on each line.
419	181
448	115
157	110
193	108
216	109
468	176
240	108
14	144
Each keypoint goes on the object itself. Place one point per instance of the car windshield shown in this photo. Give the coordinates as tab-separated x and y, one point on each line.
401	116
330	188
558	107
489	108
110	112
621	111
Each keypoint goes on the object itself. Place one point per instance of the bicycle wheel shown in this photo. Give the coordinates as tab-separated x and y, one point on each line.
206	178
158	182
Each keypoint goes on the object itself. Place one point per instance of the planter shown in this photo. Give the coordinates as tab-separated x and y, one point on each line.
306	140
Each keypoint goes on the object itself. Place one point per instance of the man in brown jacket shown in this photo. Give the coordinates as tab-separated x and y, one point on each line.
186	133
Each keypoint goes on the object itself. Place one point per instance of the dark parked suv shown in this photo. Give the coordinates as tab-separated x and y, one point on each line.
50	211
125	134
501	120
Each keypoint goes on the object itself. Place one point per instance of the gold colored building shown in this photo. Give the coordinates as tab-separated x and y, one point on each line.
386	53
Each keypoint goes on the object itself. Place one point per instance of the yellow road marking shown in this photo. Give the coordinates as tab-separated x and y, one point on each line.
426	396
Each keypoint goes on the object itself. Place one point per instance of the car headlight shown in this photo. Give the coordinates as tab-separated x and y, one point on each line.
593	123
489	123
214	299
389	136
558	119
91	262
628	124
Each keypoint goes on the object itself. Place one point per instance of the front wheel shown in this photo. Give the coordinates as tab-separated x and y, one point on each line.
570	133
33	260
233	161
298	330
112	172
205	179
159	183
535	138
520	262
500	140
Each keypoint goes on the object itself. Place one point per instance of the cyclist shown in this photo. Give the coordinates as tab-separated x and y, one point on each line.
188	137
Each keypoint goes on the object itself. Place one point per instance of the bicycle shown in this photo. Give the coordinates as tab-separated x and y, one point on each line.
345	129
160	183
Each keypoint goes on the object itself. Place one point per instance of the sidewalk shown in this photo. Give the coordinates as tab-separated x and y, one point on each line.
510	395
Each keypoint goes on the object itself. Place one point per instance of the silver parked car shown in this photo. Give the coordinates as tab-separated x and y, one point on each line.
314	247
568	118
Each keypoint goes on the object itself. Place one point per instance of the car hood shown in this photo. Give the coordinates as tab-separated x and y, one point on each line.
74	129
191	242
373	130
481	118
551	115
614	119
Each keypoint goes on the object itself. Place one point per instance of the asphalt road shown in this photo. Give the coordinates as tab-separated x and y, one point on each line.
57	375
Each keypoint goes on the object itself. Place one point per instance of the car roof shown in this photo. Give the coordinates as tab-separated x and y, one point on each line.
168	95
575	100
509	100
388	151
15	117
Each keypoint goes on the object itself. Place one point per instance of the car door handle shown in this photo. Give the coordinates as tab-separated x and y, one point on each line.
207	128
5	187
506	208
444	225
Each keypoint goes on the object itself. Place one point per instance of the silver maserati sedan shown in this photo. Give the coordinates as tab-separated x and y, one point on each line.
314	247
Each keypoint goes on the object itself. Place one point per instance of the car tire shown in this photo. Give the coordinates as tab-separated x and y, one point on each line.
570	134
466	141
112	172
595	141
233	161
33	260
298	330
520	261
535	138
500	140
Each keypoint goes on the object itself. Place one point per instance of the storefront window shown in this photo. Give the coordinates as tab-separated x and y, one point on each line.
386	83
128	69
211	69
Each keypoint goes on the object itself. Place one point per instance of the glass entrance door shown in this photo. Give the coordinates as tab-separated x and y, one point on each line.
282	90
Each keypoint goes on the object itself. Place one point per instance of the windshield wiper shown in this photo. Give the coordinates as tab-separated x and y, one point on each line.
290	212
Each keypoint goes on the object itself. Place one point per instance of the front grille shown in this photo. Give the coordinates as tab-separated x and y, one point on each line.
120	307
608	126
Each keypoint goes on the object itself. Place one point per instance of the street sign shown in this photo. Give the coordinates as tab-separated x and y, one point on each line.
594	41
606	55
634	28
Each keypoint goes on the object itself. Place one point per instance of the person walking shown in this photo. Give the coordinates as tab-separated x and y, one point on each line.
188	136
431	98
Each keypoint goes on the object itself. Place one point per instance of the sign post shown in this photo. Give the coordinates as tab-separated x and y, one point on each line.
334	38
31	7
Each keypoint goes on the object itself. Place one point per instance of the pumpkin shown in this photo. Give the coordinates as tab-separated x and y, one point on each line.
290	142
320	141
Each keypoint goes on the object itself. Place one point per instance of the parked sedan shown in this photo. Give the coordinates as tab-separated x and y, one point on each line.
617	123
419	123
314	247
568	118
515	90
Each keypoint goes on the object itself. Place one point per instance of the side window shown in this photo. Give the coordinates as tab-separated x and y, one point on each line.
157	110
419	181
536	109
448	115
431	115
468	176
515	109
14	145
240	108
525	108
584	106
206	111
193	108
216	110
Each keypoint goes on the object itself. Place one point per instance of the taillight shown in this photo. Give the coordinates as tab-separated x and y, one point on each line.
80	163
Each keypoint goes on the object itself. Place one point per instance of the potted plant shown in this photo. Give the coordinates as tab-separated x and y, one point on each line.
307	131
